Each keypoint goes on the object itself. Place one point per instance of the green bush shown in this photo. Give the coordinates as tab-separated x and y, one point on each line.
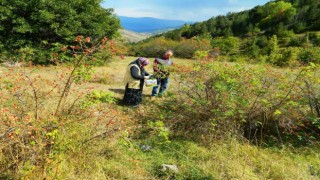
262	104
308	55
289	56
187	47
315	38
228	45
200	55
96	97
251	48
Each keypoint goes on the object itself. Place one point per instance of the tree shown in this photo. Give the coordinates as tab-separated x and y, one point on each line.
240	23
273	49
45	22
251	48
275	13
313	16
227	45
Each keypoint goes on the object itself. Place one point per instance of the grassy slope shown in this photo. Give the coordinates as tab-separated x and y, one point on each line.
120	157
132	36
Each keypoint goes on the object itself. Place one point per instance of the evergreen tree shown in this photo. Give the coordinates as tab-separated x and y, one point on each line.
273	49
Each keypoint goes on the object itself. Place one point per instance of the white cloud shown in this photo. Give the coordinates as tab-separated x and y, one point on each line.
136	12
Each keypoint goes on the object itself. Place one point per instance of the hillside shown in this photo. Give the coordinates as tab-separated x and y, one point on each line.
149	25
174	137
131	36
281	33
274	18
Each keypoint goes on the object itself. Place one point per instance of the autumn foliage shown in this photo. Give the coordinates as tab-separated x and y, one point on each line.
44	116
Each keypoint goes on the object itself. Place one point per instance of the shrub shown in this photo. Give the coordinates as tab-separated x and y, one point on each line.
187	47
251	48
263	105
228	46
289	57
308	55
159	134
200	54
315	38
40	121
96	97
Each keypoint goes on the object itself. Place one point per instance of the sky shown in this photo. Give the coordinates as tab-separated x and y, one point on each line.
187	10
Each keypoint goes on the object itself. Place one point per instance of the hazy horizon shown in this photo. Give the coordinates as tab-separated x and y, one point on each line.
186	10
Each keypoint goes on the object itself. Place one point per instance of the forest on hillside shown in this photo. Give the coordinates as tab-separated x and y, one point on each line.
280	18
281	33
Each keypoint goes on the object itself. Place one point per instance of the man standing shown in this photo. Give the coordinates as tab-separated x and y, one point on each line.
161	72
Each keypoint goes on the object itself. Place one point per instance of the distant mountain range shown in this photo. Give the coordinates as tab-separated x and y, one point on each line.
150	25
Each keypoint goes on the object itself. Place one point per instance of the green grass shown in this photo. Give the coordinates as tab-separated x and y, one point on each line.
222	160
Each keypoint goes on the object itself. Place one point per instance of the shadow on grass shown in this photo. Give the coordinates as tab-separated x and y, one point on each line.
118	91
119	101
